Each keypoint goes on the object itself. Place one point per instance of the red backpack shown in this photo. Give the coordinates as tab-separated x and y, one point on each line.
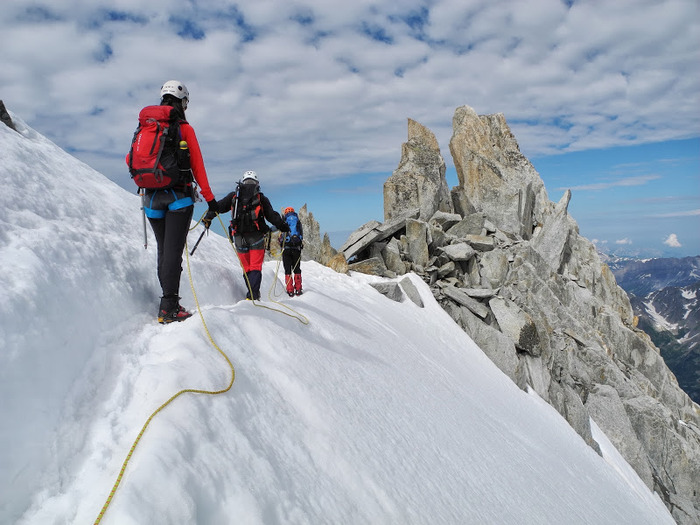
155	159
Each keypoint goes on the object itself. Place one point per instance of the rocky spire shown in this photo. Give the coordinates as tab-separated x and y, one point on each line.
493	175
419	181
316	248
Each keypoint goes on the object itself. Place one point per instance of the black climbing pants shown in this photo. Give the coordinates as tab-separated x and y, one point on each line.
291	259
171	234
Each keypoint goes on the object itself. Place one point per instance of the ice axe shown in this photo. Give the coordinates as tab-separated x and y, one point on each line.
206	229
143	209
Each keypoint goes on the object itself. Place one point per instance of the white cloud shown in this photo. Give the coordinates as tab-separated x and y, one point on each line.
672	241
623	241
319	89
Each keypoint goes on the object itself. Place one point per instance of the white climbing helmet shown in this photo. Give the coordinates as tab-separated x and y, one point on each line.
176	89
250	175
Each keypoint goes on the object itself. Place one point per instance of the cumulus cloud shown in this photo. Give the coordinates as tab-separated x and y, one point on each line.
321	89
623	241
672	241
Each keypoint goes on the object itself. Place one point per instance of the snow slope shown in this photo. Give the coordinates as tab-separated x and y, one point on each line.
375	412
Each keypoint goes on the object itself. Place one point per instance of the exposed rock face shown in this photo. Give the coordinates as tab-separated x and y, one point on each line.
338	263
312	235
510	267
397	291
5	117
316	249
492	171
419	181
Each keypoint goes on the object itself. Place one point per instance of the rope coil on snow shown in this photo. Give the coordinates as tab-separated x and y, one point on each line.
294	314
301	318
161	407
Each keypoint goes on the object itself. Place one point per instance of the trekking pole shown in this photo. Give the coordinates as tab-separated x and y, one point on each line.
143	209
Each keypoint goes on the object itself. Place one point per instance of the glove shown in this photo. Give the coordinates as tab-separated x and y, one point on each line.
208	217
213	206
284	228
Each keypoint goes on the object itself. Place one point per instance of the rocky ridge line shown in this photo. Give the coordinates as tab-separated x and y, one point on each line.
511	268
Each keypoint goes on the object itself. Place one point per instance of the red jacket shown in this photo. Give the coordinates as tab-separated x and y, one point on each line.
196	161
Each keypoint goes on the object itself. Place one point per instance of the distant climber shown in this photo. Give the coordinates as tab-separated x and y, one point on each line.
249	210
292	243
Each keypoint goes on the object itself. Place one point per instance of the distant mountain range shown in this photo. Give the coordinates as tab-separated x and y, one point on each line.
665	295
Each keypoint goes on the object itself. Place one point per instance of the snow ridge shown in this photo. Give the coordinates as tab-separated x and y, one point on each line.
375	412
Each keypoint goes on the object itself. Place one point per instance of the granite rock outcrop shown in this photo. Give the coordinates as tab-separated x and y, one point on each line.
5	117
511	268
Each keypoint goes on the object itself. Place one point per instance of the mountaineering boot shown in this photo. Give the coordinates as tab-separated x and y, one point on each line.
297	284
170	310
290	285
179	314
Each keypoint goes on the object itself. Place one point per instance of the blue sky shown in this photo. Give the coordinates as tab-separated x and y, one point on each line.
603	97
639	200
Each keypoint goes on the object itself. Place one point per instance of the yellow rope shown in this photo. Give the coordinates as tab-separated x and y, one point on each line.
161	407
273	288
303	319
294	314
